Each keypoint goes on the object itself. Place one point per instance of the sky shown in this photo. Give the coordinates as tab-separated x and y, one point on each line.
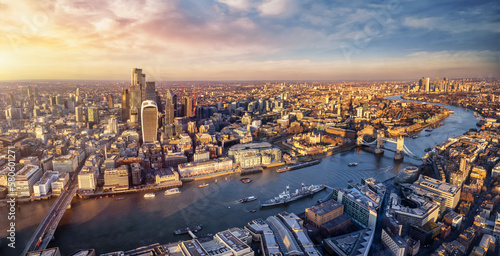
249	39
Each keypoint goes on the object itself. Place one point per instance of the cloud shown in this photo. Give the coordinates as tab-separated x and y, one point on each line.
213	38
282	8
241	5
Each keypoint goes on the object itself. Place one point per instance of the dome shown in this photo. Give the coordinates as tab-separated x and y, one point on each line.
407	175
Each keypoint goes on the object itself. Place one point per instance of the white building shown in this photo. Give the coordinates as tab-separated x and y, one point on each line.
66	163
44	185
448	191
26	177
87	178
200	156
395	243
59	184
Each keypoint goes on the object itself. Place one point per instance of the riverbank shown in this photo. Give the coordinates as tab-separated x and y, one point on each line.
166	185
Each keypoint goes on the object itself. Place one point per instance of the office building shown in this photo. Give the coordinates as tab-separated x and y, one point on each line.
324	212
116	178
59	184
191	170
165	175
26	177
356	243
93	115
448	191
170	107
359	207
150	92
187	106
79	114
395	243
125	105
149	123
43	186
111	102
65	163
87	178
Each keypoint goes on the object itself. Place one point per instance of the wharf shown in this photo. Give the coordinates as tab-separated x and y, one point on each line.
244	171
165	185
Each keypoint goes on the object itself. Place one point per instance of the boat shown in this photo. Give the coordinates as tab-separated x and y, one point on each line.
427	135
298	166
283	169
119	198
246	180
414	136
286	197
194	229
252	211
352	164
427	149
248	199
429	130
203	185
172	191
149	195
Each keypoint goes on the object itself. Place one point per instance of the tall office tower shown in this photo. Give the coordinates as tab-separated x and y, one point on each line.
111	103
134	115
53	100
71	102
170	107
187	106
59	100
125	105
149	122
11	99
77	91
36	111
93	115
427	84
79	114
150	92
112	126
138	79
135	102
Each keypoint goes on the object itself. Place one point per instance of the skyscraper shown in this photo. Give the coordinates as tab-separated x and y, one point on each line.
427	84
149	121
170	107
79	114
125	105
111	103
93	115
138	79
187	106
150	91
135	93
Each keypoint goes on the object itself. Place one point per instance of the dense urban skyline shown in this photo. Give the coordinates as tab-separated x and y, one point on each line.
243	39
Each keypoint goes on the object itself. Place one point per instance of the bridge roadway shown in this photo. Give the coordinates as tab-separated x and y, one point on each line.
46	229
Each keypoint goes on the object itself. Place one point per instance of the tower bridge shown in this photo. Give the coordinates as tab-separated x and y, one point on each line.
378	145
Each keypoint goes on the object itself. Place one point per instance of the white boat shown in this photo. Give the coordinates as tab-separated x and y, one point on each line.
203	185
352	164
172	191
149	195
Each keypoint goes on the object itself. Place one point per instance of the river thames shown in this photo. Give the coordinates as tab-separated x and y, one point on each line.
108	225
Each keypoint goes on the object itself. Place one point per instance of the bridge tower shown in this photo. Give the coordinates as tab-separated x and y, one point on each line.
399	148
359	140
380	142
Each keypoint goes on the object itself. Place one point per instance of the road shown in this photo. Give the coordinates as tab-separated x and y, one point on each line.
45	231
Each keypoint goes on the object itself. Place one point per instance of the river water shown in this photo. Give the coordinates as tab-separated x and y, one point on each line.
110	225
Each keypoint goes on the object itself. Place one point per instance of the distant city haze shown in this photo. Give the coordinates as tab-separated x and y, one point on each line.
249	40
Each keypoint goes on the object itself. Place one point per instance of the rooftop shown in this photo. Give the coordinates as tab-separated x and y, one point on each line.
325	207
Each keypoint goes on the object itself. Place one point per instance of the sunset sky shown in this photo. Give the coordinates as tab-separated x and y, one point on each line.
249	39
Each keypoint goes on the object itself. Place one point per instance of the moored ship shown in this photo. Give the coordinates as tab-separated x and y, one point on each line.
286	197
298	166
248	199
172	191
149	195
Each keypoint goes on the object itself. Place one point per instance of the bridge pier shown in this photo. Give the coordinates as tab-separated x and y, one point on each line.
380	142
398	156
